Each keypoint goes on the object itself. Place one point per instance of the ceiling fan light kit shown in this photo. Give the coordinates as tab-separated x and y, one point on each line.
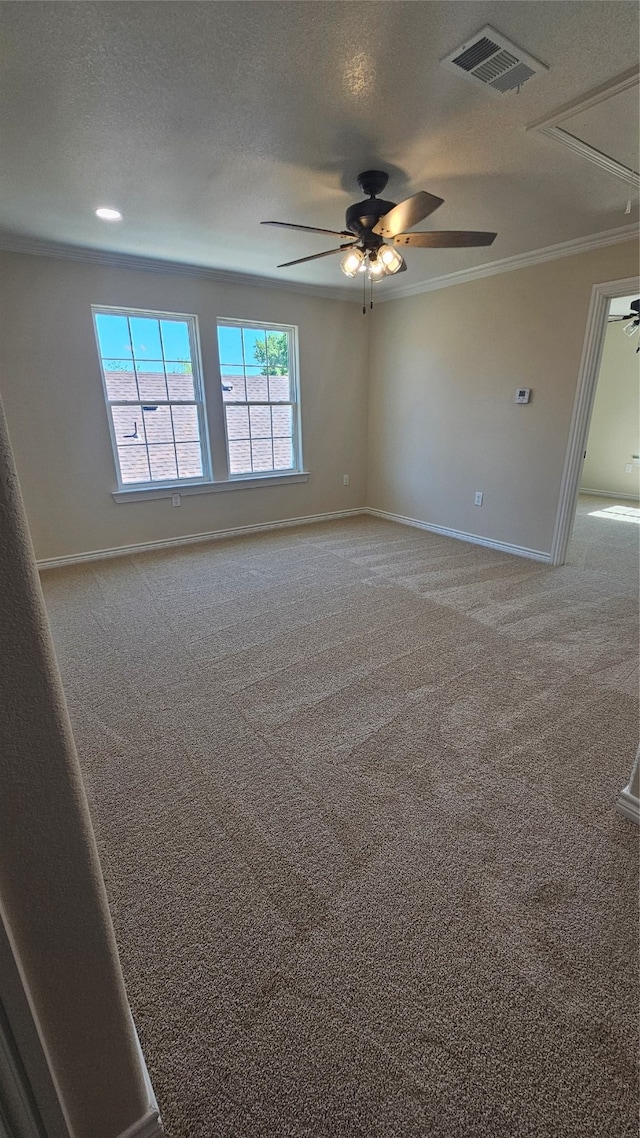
368	223
391	259
352	262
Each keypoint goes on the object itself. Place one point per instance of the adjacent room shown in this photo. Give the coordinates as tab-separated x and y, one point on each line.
319	494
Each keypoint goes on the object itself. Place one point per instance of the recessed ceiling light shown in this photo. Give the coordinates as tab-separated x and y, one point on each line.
108	214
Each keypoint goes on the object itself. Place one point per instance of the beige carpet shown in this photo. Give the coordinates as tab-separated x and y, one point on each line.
353	786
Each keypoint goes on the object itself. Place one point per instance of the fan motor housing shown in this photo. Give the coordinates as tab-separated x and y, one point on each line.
362	216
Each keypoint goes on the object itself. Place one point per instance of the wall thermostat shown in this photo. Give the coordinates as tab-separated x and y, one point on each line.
523	394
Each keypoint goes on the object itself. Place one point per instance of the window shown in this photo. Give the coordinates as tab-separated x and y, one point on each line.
153	392
259	393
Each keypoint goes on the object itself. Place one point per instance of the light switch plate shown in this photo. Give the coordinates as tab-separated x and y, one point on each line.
523	395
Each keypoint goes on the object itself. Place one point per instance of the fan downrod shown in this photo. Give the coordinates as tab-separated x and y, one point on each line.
372	182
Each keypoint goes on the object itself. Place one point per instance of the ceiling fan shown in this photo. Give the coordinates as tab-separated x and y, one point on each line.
633	315
369	222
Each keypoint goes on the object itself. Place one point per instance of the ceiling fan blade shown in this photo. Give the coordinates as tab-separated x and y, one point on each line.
445	239
313	257
310	228
407	213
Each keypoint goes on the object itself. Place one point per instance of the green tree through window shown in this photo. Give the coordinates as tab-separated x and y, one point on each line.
274	357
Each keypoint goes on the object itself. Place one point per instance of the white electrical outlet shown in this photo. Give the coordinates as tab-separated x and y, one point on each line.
176	500
628	468
345	479
478	497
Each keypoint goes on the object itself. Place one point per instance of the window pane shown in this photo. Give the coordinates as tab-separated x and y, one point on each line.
151	382
239	458
257	388
162	460
186	428
189	460
154	396
230	345
233	389
113	336
145	335
157	421
175	340
255	347
260	422
262	455
283	454
120	380
180	381
279	389
128	426
237	422
134	464
282	419
277	353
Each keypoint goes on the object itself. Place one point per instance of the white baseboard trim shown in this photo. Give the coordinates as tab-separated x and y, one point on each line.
191	539
149	1126
151	1094
609	494
628	805
474	539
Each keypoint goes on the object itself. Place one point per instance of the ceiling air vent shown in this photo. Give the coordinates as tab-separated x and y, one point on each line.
491	61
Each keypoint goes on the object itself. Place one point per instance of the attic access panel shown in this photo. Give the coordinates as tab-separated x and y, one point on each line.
602	128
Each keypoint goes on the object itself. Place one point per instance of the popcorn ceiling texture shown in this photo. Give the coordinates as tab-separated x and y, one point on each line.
354	790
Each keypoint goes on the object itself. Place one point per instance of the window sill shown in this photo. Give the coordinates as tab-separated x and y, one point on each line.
186	490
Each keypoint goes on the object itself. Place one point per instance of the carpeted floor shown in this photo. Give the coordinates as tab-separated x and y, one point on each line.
353	787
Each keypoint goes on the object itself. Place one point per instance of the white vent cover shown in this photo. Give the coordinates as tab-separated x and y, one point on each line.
493	62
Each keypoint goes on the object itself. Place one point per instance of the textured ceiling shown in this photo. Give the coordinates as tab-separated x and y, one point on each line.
198	120
606	127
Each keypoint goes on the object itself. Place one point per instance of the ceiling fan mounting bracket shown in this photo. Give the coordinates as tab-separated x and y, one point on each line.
372	182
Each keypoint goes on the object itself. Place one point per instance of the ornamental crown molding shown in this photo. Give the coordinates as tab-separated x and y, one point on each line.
519	261
14	243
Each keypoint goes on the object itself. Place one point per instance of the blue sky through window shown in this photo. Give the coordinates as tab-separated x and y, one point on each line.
175	338
153	340
253	336
230	345
145	335
113	336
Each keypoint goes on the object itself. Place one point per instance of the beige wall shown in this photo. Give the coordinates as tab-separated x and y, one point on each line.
614	432
53	905
51	387
444	369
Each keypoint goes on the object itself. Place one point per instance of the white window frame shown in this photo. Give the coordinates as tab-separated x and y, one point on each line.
293	401
160	485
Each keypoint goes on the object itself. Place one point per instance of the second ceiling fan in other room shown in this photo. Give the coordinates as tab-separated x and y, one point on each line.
372	223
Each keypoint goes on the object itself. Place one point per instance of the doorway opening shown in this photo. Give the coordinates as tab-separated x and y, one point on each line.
598	397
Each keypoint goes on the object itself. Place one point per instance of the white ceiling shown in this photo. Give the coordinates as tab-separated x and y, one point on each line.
606	127
620	305
198	120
